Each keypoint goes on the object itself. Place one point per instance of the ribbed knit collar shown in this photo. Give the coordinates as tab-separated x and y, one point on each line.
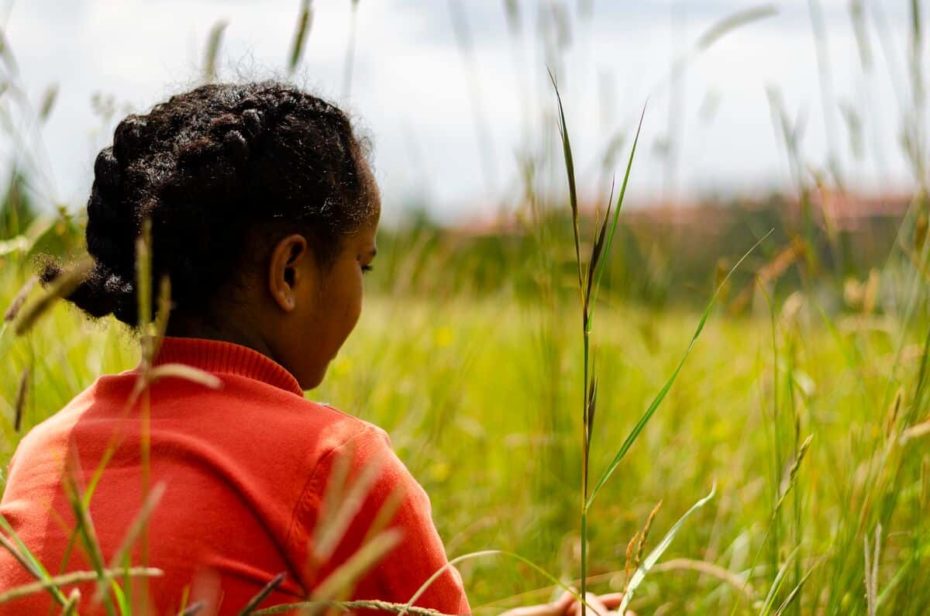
222	357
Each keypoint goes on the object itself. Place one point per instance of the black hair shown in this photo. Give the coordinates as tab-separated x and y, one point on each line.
212	168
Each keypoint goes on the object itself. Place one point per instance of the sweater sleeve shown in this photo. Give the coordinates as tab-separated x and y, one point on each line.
362	489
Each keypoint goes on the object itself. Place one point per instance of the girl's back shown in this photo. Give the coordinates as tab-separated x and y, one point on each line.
244	469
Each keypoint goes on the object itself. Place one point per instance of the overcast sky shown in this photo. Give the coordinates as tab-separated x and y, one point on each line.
450	121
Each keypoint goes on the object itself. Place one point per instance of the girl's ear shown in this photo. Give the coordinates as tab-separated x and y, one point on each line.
287	270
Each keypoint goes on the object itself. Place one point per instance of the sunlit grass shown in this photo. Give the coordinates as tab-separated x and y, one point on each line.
461	387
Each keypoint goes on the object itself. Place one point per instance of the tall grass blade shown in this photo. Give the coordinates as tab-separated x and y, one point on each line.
162	314
916	431
62	286
194	608
331	532
597	250
570	173
769	602
712	35
71	606
657	552
512	12
790	477
22	393
144	285
135	531
916	23
733	22
212	52
793	595
483	134
119	595
333	499
349	66
87	532
6	54
650	411
15	546
872	559
825	76
17	304
858	18
343	578
187	373
386	513
619	203
304	22
48	103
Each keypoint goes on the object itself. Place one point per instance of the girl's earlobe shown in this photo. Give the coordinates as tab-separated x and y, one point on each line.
283	270
287	301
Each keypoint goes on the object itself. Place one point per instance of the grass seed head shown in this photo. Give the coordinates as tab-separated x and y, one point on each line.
61	287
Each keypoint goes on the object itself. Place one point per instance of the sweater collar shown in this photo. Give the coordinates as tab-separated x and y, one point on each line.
221	357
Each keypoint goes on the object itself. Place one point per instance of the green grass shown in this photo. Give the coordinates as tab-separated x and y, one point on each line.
478	395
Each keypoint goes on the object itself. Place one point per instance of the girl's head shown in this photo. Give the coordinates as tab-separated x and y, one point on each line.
263	210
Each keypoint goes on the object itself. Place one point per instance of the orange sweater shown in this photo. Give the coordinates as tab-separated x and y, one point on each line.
246	469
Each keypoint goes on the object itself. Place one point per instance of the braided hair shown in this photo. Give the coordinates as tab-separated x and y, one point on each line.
221	171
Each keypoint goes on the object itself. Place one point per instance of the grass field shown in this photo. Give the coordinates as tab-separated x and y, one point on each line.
478	393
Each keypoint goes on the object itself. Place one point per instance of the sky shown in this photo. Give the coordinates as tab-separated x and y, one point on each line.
455	96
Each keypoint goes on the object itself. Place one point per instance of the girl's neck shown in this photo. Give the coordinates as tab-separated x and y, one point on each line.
185	326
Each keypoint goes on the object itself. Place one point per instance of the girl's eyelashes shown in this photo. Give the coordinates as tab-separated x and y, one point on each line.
367	268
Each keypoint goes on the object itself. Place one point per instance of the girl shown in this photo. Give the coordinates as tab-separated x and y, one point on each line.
263	212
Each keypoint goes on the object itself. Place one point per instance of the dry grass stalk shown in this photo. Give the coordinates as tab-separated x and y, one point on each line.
634	549
644	534
76	577
628	566
349	606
